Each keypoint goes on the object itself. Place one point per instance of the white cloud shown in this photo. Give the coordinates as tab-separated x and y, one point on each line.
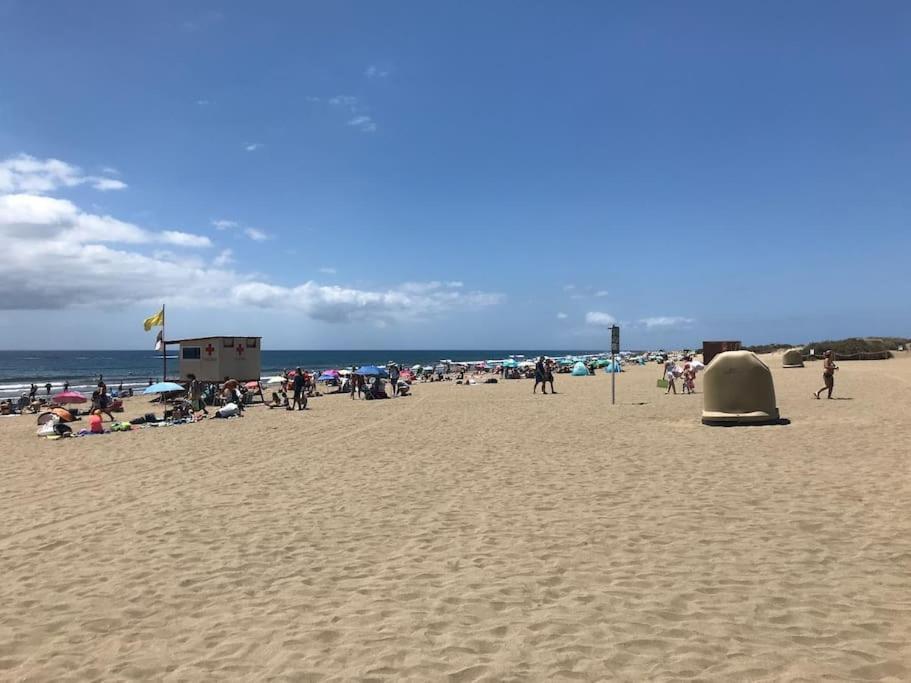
363	123
185	239
221	224
24	173
253	146
455	283
374	71
599	318
104	184
562	316
224	258
568	288
110	170
328	271
332	303
666	321
349	101
50	244
601	292
255	234
202	103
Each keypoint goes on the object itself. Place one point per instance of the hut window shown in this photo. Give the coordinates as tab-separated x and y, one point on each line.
227	342
190	353
251	342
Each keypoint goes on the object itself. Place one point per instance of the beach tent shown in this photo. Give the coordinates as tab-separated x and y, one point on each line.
738	389
566	361
510	363
579	370
612	367
792	358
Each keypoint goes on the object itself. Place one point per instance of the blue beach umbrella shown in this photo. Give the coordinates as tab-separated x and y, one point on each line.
371	371
163	388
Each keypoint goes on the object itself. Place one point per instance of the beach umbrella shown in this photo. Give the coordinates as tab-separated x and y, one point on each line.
70	397
416	368
566	361
510	363
252	385
371	371
327	377
60	414
344	373
163	388
333	373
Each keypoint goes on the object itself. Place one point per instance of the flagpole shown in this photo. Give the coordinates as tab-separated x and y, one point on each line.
164	350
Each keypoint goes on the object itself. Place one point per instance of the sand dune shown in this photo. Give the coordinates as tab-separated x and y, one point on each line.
471	533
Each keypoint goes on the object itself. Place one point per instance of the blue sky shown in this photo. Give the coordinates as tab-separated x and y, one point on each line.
473	175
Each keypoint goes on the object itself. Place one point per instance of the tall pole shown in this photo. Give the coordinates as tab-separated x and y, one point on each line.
613	378
164	349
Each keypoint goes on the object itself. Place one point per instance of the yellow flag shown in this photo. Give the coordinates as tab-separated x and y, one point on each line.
156	320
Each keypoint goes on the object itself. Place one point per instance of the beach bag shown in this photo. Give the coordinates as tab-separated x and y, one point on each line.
61	429
662	383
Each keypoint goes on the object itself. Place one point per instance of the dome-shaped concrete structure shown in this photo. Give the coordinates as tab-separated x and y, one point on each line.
792	358
738	389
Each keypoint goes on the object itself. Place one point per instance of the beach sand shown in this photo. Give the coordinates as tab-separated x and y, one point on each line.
470	533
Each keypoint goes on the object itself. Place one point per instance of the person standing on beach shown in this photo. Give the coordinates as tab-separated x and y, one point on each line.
394	379
47	388
66	386
298	386
196	401
540	374
670	374
828	374
549	375
32	391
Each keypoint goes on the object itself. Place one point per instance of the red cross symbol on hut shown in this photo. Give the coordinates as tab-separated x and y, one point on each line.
240	349
210	350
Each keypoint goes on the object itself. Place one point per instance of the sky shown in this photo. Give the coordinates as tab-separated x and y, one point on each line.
454	174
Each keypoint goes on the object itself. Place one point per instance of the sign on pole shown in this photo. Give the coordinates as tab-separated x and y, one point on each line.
614	349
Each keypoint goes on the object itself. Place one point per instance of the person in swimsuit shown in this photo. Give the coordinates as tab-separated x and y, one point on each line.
828	374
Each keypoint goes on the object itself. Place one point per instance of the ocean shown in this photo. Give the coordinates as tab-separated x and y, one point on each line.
18	369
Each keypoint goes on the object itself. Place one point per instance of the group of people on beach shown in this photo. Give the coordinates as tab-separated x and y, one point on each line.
686	374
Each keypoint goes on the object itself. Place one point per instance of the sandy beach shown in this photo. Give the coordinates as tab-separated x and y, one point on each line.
471	533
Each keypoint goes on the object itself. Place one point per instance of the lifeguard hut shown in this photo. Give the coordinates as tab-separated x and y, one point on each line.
212	359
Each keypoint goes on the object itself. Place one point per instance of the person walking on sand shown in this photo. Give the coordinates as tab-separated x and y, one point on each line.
549	374
828	374
540	374
47	388
298	385
32	390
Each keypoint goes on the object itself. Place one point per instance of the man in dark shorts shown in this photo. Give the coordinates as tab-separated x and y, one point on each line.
540	376
549	375
394	378
298	385
828	373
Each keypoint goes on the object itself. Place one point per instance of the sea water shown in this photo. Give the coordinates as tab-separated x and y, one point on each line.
134	369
